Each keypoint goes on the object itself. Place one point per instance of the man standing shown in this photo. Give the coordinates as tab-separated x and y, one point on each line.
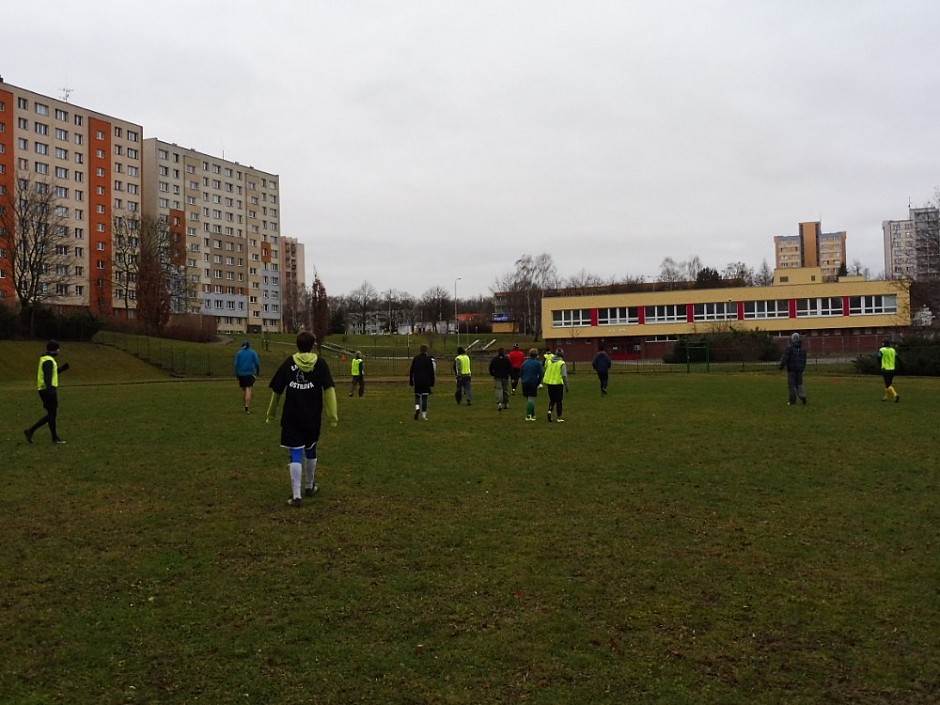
307	385
888	357
794	362
421	377
358	372
531	376
516	358
601	365
500	368
47	379
462	372
247	369
556	381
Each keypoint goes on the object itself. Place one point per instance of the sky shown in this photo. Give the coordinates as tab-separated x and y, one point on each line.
432	143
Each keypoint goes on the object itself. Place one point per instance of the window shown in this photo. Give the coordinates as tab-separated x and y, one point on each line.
61	115
667	313
766	309
721	311
571	318
42	109
822	306
42	148
61	134
61	153
874	304
41	128
618	316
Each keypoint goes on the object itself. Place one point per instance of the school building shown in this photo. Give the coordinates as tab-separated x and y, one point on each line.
844	317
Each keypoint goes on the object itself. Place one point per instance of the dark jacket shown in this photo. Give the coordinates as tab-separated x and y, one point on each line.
500	367
422	372
602	362
794	358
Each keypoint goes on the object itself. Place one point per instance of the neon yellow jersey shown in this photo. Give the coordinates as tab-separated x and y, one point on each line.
888	357
356	366
553	371
40	379
463	364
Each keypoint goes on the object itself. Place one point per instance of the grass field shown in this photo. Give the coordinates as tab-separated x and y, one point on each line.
688	539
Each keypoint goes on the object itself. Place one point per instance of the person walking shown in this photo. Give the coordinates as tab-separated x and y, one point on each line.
421	376
530	375
500	368
794	362
358	372
247	369
601	365
516	358
47	381
888	357
463	374
556	381
305	381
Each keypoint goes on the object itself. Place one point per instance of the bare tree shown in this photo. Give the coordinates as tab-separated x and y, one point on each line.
294	307
362	302
33	230
436	305
318	309
738	274
521	291
154	304
584	280
125	247
764	275
671	273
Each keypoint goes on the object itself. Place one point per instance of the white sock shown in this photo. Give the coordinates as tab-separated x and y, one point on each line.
295	473
310	465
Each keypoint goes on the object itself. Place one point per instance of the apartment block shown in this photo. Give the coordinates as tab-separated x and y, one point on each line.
93	164
292	264
229	217
812	248
912	246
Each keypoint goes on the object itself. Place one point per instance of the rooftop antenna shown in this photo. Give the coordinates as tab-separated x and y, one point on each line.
66	92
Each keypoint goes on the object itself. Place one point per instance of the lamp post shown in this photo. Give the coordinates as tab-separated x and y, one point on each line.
456	320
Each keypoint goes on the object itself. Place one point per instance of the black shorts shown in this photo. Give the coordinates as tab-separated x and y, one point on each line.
530	389
245	381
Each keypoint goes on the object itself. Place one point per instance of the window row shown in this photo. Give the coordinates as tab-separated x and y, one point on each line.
817	307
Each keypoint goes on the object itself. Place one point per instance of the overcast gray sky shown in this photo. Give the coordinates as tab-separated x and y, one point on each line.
424	140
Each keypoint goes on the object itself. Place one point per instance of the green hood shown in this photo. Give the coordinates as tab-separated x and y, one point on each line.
305	361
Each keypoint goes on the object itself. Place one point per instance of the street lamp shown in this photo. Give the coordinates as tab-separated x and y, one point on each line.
456	320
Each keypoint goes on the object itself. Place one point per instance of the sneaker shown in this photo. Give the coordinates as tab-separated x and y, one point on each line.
29	435
805	401
549	415
561	420
417	411
247	410
58	441
310	491
295	502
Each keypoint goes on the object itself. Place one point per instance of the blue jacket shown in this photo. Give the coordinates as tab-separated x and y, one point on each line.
247	363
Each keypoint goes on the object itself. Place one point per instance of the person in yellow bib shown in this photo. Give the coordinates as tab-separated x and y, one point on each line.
556	381
47	380
358	372
889	358
462	373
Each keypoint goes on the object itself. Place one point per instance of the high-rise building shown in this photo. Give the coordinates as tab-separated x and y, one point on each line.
103	180
292	263
91	165
229	218
912	246
812	248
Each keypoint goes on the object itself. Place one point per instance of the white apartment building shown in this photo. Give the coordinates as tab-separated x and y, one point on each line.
228	215
912	246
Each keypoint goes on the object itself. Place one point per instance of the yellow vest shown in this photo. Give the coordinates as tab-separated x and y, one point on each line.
553	371
463	364
40	379
356	366
887	358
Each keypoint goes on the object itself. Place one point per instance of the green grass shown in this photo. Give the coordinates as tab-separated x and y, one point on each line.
689	539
